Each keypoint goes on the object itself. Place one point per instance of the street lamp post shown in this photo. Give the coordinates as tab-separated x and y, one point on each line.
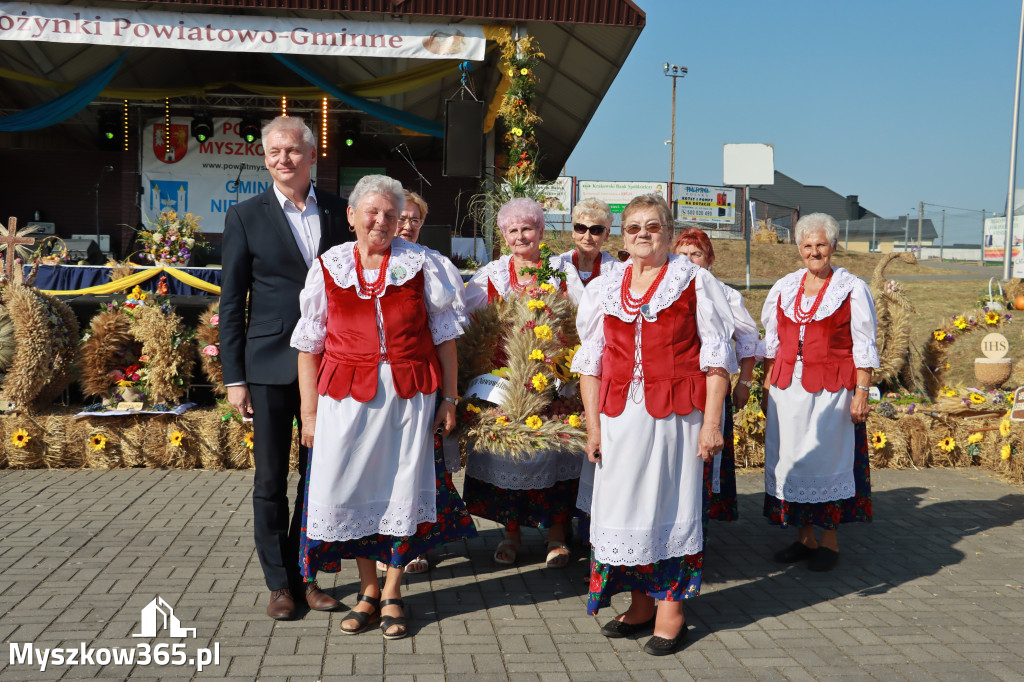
674	72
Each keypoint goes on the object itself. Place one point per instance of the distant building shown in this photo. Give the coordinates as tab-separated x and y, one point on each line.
859	229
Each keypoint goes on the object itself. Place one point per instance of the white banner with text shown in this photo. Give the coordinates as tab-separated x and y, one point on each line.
127	27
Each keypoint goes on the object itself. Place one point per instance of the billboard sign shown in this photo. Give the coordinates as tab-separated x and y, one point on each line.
556	197
204	179
617	194
995	238
705	204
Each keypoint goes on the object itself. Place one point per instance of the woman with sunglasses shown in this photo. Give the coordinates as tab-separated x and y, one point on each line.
540	490
591	225
654	362
695	245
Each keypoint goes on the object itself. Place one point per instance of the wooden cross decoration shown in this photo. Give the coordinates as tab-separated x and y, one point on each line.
11	240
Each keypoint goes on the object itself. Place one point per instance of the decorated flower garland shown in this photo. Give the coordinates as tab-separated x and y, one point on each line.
519	60
535	337
137	350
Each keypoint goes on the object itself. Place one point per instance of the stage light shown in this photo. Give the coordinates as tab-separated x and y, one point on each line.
202	126
323	128
167	124
284	105
350	131
249	130
125	121
109	130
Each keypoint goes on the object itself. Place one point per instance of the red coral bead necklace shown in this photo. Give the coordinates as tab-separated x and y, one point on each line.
632	304
375	288
513	278
798	314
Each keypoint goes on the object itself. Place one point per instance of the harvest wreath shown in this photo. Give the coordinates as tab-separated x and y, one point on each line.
521	347
138	350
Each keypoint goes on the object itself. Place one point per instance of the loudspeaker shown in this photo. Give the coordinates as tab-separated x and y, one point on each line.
463	138
84	249
437	237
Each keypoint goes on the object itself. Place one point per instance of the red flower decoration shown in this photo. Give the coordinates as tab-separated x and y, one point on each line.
595	582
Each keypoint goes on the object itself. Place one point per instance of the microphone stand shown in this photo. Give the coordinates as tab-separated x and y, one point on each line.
96	191
407	157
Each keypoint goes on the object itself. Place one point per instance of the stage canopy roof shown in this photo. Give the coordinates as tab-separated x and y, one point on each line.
585	43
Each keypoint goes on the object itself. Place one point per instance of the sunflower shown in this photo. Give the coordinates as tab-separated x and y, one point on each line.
975	438
175	440
1004	427
247	441
1005	452
878	440
976	398
960	322
534	422
20	438
948	392
939	335
991	317
947	444
97	441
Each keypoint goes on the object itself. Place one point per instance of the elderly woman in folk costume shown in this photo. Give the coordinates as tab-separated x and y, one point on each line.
377	339
819	351
654	361
696	245
591	225
540	490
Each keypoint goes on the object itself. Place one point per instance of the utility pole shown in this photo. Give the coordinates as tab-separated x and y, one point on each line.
674	72
942	244
920	221
981	258
906	232
1010	207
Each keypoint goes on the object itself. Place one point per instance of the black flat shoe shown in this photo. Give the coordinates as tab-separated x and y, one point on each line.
795	553
824	559
615	629
363	619
659	646
388	622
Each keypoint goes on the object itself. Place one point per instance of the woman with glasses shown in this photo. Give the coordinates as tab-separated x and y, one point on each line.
377	346
539	490
591	225
654	362
696	245
412	218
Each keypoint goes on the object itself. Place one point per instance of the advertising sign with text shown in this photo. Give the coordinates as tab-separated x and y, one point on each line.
705	204
617	194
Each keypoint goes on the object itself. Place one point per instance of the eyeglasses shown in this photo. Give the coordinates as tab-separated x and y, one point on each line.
596	230
652	227
415	222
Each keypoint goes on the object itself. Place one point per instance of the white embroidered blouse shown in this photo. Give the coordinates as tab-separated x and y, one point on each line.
863	323
443	295
714	319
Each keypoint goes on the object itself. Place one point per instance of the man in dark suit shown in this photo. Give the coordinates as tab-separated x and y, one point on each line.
270	242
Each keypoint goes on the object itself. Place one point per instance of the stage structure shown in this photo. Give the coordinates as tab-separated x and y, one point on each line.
114	111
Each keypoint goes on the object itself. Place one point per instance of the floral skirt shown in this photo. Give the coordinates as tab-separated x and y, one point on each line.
724	506
453	523
671	579
540	508
829	515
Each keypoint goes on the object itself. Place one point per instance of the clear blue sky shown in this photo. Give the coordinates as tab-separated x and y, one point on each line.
898	102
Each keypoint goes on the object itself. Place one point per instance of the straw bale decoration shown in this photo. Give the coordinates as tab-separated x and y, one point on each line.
208	343
934	363
893	310
536	339
137	350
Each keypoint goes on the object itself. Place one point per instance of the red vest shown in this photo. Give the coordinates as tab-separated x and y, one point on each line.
670	348
827	353
352	348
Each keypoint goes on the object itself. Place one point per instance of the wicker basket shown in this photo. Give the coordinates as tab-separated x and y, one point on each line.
993	372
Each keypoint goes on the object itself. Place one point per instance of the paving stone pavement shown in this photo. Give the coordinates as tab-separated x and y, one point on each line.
932	590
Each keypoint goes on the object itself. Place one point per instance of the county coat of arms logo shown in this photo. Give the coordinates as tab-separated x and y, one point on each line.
172	148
